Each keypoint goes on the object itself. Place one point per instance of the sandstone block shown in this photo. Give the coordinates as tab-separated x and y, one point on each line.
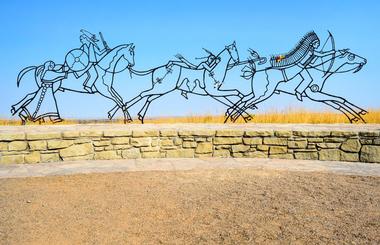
329	155
370	133
59	144
315	140
145	133
328	145
70	134
275	141
366	141
311	133
120	140
258	133
334	139
76	150
80	158
117	147
50	157
204	147
349	157
17	145
168	133
221	153
351	145
376	141
3	146
150	148
12	136
12	159
283	133
229	132
281	156
278	150
91	133
117	133
37	145
132	153
227	140
106	155
98	148
253	141
189	144
297	144
343	133
177	141
167	142
240	148
187	153
306	155
262	147
196	133
151	154
370	153
138	142
81	141
33	157
256	154
43	136
200	139
102	143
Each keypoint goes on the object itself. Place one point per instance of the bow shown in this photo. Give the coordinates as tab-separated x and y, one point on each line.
332	41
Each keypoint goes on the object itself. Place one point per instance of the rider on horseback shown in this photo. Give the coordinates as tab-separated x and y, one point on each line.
95	54
303	55
209	64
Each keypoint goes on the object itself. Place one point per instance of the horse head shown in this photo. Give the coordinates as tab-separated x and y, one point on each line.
346	61
129	55
232	50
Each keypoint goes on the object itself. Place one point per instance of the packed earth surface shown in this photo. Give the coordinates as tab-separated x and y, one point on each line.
199	206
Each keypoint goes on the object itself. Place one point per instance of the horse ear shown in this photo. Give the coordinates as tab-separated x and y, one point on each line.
234	43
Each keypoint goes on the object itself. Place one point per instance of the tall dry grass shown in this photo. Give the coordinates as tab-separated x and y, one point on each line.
286	116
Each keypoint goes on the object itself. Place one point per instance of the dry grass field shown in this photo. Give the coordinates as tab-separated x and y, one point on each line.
287	116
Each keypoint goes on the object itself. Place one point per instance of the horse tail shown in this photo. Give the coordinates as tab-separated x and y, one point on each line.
23	72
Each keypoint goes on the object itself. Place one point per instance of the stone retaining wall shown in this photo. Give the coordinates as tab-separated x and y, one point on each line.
67	145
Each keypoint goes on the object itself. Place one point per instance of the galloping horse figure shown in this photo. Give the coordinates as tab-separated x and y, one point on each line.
115	61
269	84
188	79
266	78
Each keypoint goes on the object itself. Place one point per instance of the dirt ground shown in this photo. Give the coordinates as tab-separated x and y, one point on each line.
241	206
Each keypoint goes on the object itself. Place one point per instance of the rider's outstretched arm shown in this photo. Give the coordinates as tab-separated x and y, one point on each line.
323	54
188	63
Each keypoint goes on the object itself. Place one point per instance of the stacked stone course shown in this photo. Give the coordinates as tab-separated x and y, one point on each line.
35	147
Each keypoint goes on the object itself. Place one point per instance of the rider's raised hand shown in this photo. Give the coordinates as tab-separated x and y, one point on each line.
179	56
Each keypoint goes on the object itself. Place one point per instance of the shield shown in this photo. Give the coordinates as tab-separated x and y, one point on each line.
77	60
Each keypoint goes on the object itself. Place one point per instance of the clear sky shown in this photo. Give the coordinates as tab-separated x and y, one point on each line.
35	31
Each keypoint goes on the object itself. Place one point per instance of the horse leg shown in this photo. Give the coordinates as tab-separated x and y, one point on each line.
267	93
335	102
105	90
141	114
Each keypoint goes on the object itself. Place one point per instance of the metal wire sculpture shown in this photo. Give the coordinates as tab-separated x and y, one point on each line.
304	68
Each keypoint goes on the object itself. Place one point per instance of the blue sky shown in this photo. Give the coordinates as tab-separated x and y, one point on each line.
36	31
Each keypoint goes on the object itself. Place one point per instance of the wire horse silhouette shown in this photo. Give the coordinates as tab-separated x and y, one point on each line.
302	72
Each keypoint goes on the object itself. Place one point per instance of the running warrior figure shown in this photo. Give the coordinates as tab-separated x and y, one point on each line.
42	103
303	55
